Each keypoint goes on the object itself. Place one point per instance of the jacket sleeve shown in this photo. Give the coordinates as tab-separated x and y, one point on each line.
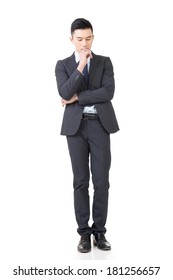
105	92
68	85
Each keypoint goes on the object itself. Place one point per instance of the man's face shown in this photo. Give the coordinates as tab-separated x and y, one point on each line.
82	39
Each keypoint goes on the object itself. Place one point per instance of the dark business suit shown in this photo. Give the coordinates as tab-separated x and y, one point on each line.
89	138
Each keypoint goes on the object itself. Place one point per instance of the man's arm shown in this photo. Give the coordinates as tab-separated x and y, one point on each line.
105	92
72	100
67	85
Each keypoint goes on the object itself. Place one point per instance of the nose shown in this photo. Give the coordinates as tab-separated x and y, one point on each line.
84	43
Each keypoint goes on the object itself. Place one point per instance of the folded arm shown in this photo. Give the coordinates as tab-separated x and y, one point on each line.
69	86
103	93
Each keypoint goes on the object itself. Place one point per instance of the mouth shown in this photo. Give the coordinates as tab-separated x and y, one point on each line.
85	49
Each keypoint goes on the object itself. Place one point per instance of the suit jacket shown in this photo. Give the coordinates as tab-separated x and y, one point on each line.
98	91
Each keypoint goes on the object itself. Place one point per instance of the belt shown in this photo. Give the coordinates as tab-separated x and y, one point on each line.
86	116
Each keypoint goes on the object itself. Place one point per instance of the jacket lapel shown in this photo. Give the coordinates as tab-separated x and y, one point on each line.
93	66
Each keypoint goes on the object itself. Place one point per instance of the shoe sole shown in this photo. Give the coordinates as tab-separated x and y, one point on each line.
103	249
84	251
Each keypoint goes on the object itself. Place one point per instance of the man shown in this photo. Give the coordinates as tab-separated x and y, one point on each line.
86	84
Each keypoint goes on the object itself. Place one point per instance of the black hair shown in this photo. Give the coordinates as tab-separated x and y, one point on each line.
80	23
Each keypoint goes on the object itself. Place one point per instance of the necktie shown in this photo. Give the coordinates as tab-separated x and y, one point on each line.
85	72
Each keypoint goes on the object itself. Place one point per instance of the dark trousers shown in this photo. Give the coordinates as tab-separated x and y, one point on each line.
89	150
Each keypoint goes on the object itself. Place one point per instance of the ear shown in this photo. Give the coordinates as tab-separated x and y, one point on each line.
71	39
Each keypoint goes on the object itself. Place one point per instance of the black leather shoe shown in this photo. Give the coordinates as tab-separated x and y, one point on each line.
100	241
84	244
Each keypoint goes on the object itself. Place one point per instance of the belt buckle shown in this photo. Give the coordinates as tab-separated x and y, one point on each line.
87	116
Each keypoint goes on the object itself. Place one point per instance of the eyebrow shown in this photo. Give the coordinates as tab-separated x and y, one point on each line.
85	38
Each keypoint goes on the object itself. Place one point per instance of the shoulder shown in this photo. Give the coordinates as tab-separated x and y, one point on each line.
102	58
64	62
69	58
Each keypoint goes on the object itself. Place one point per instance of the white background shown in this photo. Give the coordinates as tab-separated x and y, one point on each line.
38	226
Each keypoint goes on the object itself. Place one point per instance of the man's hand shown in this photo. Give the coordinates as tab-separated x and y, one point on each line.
72	100
84	55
